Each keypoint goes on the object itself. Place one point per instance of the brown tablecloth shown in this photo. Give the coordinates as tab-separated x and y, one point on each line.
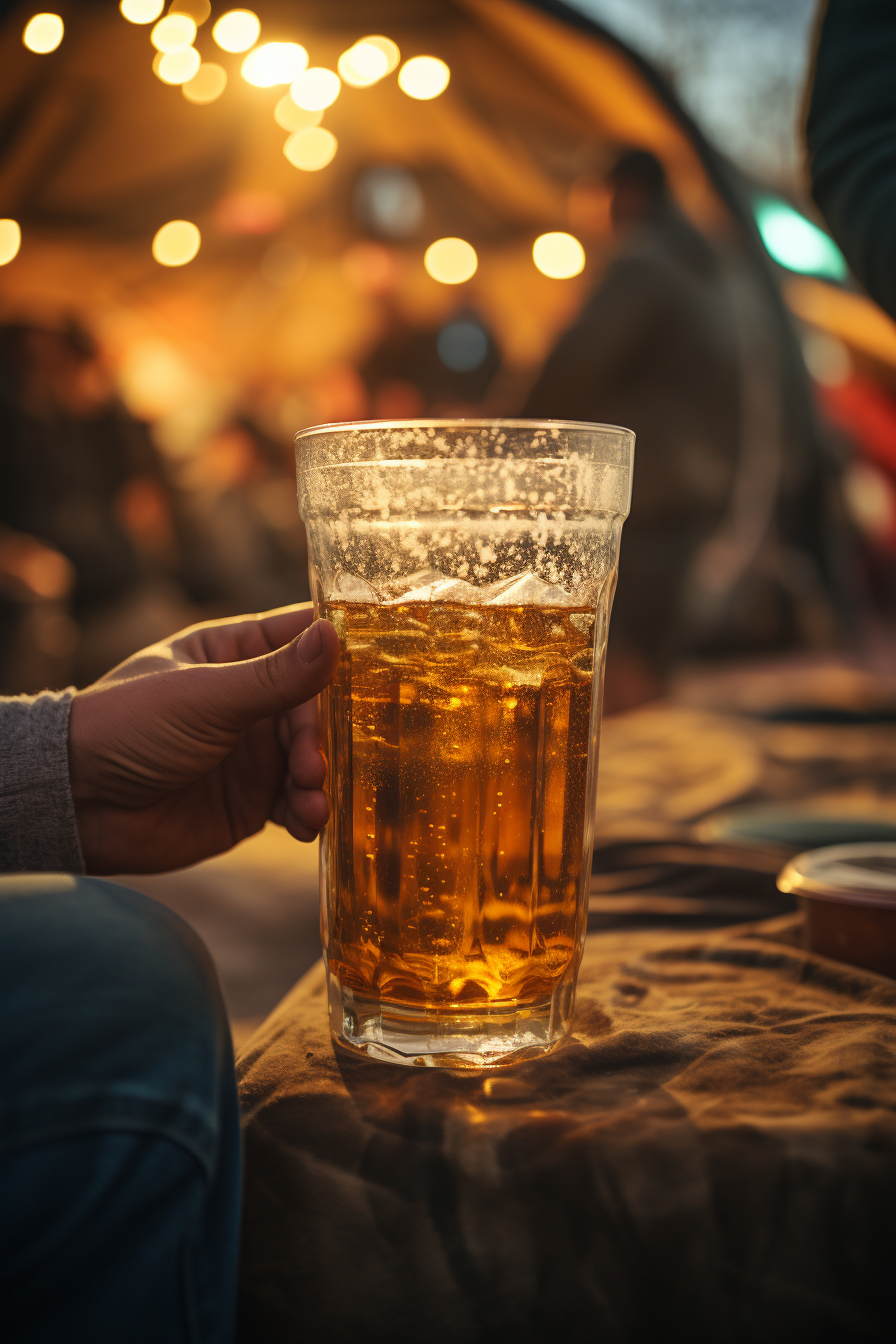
711	1158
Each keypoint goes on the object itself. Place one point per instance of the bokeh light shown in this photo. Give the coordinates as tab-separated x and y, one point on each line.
141	11
559	255
176	67
424	77
386	46
208	83
293	118
274	63
363	64
173	33
796	243
311	149
43	33
315	89
462	345
176	243
388	201
237	30
10	240
451	261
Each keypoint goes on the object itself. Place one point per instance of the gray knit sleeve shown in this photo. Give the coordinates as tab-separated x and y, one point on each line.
38	833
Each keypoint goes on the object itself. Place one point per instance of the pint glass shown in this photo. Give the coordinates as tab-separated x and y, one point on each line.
468	567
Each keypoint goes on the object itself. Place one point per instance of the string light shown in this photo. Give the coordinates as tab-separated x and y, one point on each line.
208	83
293	118
173	33
311	149
237	30
176	67
315	89
274	63
141	11
451	261
387	47
559	255
43	33
363	64
424	77
176	243
10	240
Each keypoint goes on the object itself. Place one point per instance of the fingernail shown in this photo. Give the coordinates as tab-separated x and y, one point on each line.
309	645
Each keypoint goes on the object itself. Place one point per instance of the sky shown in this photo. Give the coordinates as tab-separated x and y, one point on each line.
739	67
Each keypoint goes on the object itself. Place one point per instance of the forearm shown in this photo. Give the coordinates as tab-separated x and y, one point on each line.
851	136
38	832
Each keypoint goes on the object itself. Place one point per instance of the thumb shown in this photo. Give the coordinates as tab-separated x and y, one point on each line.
242	693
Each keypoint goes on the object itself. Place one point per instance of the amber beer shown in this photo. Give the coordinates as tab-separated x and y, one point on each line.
458	744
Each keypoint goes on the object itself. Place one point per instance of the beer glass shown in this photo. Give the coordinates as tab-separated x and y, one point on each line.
468	567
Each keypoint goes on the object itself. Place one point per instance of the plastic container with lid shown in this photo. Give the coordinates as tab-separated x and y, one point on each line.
848	893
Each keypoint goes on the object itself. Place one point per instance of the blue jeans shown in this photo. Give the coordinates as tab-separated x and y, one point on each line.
119	1130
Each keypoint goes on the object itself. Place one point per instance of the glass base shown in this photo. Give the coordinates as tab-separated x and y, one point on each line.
479	1038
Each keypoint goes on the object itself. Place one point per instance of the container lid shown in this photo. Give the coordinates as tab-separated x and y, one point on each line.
864	874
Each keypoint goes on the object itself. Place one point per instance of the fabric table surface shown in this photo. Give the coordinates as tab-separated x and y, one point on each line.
712	1156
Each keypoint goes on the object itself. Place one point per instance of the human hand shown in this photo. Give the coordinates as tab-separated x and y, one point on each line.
193	744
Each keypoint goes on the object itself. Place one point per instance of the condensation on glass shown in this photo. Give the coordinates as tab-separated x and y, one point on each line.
469	569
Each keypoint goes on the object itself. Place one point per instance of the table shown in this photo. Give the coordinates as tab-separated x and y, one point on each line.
711	1157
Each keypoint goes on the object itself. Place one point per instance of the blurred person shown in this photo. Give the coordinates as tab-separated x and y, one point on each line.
723	550
119	1130
247	548
851	138
80	474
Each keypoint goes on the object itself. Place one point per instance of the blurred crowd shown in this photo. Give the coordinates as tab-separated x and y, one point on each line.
749	533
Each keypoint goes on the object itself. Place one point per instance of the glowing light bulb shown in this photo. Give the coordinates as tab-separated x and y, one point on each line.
311	149
386	46
274	63
176	67
559	255
363	64
141	11
173	33
208	83
237	30
176	243
293	118
451	261
10	240
43	33
315	89
424	77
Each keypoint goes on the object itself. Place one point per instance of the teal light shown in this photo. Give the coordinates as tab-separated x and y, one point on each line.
795	242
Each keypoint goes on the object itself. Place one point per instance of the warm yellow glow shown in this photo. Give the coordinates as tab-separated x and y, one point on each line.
10	240
386	46
237	30
293	118
274	63
198	10
141	11
363	64
176	243
311	149
451	261
558	255
176	67
173	33
43	33
208	83
315	89
424	77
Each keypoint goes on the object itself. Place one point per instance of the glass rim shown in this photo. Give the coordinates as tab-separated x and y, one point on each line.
478	422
